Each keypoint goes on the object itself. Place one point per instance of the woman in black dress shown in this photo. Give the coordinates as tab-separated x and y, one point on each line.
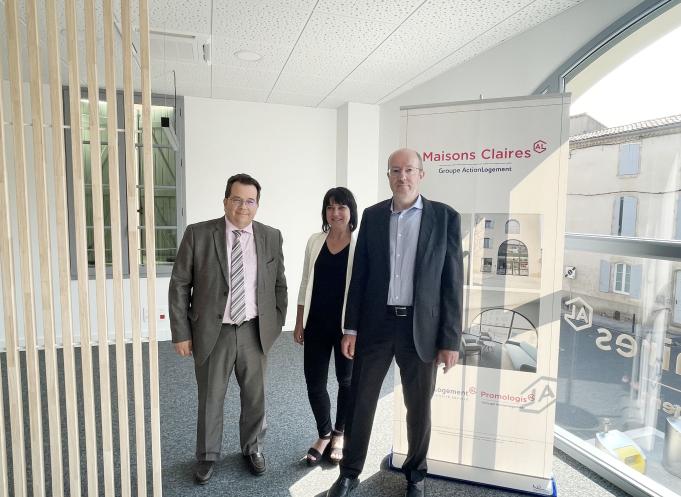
321	306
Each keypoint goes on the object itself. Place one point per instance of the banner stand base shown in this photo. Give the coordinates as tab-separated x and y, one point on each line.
482	476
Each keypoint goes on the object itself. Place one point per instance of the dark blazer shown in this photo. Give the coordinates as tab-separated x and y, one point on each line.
199	286
438	278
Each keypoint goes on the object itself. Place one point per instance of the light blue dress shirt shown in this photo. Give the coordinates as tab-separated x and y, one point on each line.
404	237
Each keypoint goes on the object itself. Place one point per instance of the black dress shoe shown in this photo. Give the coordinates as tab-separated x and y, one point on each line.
256	463
343	486
203	472
416	489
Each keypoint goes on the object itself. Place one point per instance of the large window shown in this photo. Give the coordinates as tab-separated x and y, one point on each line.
619	390
168	186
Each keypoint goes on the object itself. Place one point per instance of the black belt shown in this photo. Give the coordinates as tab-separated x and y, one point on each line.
400	311
252	320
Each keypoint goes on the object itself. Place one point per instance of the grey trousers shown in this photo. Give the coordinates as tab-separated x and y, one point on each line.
237	349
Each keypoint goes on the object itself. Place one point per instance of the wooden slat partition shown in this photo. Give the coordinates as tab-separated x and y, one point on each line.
100	250
150	245
4	488
44	245
56	239
116	249
62	230
81	250
133	246
25	256
10	320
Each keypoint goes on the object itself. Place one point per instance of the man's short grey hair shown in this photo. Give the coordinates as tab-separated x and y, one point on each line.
418	156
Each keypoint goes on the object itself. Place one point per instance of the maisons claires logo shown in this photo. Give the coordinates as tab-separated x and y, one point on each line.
486	153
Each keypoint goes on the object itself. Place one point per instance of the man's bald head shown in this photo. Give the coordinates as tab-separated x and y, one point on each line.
407	152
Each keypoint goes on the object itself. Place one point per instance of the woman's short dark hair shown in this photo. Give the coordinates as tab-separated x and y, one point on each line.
244	179
343	196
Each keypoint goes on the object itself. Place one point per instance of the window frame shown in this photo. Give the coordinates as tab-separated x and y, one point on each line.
491	264
676	296
509	223
626	278
162	270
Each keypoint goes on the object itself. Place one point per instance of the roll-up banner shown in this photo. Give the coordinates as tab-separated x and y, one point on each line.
502	164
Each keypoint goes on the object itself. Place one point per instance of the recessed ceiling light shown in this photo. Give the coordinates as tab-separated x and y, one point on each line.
248	55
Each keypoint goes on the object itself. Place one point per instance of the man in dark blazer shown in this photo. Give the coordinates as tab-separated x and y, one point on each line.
227	302
405	301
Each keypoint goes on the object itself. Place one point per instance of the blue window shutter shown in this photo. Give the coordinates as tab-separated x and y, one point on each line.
629	216
604	283
616	216
629	159
635	285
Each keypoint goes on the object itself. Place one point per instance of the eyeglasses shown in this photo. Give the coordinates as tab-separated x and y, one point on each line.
248	202
407	171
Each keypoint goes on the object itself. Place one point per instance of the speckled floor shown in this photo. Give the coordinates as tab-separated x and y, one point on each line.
290	432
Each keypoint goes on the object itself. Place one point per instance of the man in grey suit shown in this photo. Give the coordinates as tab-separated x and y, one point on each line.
405	301
227	302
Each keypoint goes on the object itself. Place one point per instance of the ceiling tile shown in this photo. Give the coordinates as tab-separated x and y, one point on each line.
282	97
341	34
180	16
305	83
517	23
323	63
259	22
378	70
356	50
243	78
363	92
388	11
235	93
466	16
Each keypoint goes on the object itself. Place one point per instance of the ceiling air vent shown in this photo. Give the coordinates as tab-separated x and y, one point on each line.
175	46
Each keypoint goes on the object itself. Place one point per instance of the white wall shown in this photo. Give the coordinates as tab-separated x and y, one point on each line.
290	150
358	151
514	68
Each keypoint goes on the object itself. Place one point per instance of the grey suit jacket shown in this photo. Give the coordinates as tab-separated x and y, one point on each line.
199	286
438	278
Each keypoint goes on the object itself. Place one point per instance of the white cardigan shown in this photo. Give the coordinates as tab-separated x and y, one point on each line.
312	250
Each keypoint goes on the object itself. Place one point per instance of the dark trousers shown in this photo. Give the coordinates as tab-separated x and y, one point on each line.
317	355
237	349
374	352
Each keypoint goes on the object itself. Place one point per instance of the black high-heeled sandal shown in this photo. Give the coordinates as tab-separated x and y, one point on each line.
335	452
313	456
